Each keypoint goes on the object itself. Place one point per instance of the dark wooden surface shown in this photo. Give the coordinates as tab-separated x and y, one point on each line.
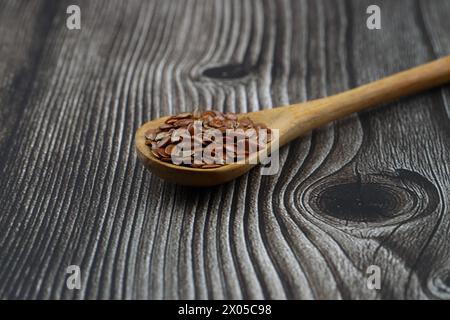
372	189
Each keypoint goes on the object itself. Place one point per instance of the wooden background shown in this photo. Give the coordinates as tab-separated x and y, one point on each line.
372	189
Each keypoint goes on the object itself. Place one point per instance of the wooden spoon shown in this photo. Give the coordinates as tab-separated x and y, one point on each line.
298	119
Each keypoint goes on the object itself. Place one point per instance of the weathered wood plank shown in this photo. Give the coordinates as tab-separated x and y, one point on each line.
370	189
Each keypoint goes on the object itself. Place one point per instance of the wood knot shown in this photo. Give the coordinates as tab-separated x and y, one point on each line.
229	71
368	202
374	199
439	284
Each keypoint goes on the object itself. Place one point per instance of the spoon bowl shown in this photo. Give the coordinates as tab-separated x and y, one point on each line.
193	176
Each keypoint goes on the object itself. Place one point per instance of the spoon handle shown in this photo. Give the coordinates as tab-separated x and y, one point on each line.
319	112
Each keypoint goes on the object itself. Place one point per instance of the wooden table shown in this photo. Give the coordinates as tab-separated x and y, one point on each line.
372	189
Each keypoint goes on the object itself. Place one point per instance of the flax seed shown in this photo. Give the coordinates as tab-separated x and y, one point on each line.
175	129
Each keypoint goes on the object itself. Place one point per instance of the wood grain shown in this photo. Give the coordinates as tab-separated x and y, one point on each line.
370	189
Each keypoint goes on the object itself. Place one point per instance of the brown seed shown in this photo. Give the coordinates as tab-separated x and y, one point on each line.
163	142
156	154
161	135
151	134
190	128
171	120
229	124
205	120
216	123
209	113
162	152
183	122
165	126
169	148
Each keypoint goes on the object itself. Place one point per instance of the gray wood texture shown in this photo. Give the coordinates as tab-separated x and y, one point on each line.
372	189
